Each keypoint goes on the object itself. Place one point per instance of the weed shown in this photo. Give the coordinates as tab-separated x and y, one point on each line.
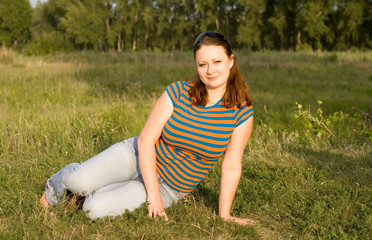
7	55
333	57
346	128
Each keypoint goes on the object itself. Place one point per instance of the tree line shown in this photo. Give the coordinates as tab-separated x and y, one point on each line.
165	25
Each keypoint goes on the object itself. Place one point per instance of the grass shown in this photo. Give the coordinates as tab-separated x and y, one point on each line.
300	180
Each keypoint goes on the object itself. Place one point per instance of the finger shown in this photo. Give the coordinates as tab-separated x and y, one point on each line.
151	212
160	214
154	214
164	215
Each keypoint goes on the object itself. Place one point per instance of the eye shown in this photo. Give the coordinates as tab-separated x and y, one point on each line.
217	61
202	64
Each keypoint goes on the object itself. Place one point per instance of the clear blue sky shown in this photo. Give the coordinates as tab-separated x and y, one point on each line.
33	2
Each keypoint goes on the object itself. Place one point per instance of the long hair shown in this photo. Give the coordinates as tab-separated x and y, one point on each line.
236	89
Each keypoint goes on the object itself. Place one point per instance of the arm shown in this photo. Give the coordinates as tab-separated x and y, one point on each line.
150	134
231	170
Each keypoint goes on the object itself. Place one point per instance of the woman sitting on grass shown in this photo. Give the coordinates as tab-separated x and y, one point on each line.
190	127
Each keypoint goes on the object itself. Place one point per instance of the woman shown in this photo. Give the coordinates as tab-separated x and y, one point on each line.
190	127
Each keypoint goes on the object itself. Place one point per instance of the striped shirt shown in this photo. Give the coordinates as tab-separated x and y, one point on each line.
194	138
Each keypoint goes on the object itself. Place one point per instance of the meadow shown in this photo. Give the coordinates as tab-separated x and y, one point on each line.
307	170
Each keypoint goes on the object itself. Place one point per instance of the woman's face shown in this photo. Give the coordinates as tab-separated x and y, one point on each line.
213	66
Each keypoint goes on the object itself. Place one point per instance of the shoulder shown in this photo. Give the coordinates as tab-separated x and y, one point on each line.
244	109
243	113
243	105
178	89
180	85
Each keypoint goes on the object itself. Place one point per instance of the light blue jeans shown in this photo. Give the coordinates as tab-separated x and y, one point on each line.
111	182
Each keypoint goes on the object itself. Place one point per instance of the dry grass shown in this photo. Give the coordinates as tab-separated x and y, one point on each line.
66	108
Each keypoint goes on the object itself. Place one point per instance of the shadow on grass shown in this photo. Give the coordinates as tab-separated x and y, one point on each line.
338	165
207	196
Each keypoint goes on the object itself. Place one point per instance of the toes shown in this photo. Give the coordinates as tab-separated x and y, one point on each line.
44	201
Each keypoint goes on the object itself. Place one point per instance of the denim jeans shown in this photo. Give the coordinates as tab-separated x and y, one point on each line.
111	182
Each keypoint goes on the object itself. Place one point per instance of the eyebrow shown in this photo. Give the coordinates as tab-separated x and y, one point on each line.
219	58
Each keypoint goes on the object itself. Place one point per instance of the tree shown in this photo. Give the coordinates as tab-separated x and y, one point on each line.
115	35
149	22
366	33
135	11
250	23
87	23
349	24
311	25
184	24
276	36
214	15
176	24
128	22
165	23
15	22
173	24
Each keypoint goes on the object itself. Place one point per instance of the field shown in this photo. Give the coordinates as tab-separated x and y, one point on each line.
307	170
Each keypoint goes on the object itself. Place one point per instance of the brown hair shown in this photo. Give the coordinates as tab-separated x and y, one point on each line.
236	89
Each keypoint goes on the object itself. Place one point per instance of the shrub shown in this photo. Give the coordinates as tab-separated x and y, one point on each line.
333	58
7	55
304	48
342	127
49	42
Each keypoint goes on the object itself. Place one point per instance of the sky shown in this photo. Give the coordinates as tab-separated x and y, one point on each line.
33	2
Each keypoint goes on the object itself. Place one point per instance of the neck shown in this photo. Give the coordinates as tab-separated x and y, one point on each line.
213	94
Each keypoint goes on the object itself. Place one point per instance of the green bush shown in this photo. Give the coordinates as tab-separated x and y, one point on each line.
48	42
304	47
343	128
333	57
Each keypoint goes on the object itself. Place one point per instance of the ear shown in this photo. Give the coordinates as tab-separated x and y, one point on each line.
231	60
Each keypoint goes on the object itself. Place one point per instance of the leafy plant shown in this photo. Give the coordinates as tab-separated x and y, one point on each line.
340	126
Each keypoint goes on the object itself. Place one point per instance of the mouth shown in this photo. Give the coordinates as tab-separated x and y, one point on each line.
212	78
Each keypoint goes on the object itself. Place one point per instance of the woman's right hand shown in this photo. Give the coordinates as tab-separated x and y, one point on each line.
149	136
156	207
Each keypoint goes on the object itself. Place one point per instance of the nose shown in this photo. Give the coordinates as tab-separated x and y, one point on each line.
210	69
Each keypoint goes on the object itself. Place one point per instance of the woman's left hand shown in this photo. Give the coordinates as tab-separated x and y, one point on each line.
241	221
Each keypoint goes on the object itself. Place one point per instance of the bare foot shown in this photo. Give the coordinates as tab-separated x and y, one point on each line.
44	201
241	221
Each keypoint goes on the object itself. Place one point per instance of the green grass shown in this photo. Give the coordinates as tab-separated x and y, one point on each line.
307	172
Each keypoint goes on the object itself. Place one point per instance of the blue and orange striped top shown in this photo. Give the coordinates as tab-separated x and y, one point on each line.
194	138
